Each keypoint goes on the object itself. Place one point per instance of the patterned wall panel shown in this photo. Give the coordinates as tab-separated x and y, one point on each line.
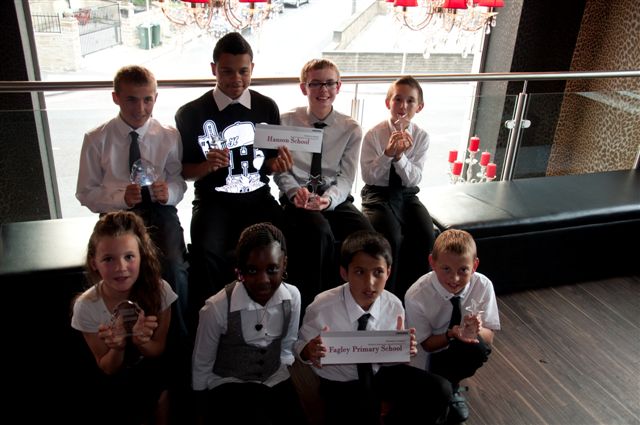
600	131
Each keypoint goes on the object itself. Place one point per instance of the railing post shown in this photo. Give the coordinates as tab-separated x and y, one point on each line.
356	106
516	125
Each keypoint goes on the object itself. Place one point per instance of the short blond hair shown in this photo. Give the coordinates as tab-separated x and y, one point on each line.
454	241
314	64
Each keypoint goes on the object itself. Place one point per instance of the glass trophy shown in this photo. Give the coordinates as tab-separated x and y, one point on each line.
313	184
401	123
143	173
124	318
468	329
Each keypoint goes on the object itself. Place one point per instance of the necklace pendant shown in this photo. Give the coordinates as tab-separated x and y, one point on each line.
258	326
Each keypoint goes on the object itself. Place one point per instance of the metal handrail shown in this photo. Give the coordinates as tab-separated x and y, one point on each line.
41	86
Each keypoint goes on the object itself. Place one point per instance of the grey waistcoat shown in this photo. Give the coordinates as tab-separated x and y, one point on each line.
243	361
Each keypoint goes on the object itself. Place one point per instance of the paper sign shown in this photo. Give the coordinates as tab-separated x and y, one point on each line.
303	139
366	347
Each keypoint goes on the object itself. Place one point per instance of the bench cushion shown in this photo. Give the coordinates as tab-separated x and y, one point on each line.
536	204
546	231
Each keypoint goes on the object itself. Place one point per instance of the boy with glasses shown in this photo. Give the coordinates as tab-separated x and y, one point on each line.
316	192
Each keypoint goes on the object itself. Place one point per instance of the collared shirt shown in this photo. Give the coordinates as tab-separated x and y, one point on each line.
104	163
375	165
337	309
222	100
341	142
90	311
429	308
213	323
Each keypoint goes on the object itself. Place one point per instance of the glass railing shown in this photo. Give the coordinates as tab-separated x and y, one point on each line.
560	133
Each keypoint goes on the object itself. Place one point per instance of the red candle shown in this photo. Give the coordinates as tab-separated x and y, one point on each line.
474	144
457	168
491	170
484	158
453	155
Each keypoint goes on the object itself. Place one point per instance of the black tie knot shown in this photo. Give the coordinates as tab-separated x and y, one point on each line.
362	321
319	124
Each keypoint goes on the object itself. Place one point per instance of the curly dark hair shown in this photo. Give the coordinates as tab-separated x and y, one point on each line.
256	236
147	289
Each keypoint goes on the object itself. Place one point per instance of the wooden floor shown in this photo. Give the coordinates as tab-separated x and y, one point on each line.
565	355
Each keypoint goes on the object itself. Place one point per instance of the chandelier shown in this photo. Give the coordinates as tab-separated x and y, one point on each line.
467	15
439	18
218	16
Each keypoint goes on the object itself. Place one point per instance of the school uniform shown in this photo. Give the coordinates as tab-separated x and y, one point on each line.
313	234
243	352
390	202
345	399
231	198
429	311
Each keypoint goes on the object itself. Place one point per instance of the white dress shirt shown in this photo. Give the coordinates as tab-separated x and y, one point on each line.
429	308
341	142
104	163
213	323
375	165
337	309
222	100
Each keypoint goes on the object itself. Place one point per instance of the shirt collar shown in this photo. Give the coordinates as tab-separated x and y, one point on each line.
240	299
222	100
353	308
126	128
446	295
328	120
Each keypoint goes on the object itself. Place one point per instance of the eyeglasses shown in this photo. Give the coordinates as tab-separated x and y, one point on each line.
317	85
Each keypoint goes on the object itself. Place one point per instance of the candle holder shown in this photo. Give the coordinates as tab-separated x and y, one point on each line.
487	170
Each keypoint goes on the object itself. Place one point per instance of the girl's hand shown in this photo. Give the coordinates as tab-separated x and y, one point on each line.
144	329
113	339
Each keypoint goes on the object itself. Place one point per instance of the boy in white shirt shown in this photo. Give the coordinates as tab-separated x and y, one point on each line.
395	390
453	344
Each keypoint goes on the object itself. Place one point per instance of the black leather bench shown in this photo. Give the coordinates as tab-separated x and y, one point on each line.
42	270
547	230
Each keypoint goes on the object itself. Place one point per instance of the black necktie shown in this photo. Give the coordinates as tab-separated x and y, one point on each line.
134	149
365	370
456	316
394	179
316	161
134	155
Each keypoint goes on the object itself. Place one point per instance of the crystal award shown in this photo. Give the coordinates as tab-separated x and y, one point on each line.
124	318
143	173
469	330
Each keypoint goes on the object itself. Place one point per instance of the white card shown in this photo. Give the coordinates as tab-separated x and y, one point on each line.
366	347
305	139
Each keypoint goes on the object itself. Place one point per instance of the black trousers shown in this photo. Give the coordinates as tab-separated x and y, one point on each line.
412	395
254	403
460	360
399	215
314	239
